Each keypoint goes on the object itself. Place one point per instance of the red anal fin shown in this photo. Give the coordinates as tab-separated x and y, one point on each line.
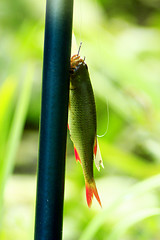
68	126
76	155
95	147
90	190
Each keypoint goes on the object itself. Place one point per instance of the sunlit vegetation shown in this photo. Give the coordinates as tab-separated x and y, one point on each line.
122	51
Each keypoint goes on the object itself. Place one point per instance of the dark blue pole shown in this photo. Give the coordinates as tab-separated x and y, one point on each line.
53	127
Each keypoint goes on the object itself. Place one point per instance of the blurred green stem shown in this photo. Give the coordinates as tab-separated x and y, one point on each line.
7	163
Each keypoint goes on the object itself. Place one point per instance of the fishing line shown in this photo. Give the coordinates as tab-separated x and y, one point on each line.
77	31
107	122
80	22
78	19
79	48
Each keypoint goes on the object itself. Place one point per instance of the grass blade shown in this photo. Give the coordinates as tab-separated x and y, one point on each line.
134	192
15	133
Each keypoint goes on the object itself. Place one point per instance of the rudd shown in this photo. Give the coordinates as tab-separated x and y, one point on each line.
82	123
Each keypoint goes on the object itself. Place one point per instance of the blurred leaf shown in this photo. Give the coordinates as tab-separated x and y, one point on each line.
126	162
125	224
7	94
15	132
134	192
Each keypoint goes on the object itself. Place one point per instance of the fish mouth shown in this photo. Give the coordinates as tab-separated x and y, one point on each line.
75	63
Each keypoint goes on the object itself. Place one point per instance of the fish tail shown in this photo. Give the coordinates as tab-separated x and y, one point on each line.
90	190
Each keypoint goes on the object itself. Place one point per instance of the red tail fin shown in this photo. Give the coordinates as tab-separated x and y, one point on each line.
90	190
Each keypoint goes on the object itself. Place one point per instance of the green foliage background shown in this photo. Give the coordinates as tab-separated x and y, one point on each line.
122	50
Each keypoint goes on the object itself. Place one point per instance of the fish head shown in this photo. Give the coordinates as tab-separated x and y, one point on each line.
78	70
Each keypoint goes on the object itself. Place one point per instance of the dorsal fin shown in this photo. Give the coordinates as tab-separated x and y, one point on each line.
97	155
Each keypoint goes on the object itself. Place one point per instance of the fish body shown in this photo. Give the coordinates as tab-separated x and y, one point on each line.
82	122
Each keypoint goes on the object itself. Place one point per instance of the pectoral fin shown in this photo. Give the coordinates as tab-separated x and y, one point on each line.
76	155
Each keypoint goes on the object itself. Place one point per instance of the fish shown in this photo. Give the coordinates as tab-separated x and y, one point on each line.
82	124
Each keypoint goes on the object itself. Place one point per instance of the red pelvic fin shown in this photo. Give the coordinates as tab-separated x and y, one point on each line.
95	147
90	190
68	126
76	155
